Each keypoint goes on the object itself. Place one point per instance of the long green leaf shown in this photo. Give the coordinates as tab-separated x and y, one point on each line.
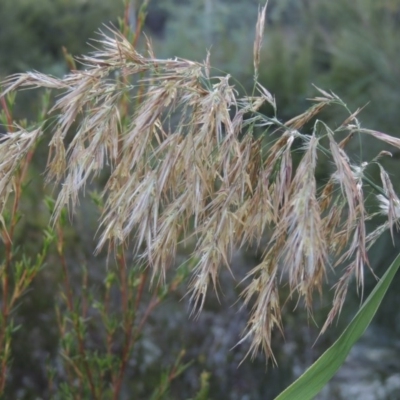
308	385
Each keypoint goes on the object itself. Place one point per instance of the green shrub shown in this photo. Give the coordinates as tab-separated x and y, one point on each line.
33	33
172	154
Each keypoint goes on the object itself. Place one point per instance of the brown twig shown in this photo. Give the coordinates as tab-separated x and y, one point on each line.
8	237
127	323
70	306
8	114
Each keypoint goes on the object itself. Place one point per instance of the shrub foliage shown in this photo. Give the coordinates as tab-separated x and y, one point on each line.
185	156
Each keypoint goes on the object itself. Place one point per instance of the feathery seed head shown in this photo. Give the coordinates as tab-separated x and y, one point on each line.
188	157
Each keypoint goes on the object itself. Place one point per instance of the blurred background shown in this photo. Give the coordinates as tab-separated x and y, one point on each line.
349	47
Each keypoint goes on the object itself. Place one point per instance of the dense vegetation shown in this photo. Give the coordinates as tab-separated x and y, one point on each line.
347	47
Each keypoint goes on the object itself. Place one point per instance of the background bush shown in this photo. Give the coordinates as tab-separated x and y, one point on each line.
348	47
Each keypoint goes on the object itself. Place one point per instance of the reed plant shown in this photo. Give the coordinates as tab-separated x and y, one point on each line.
187	158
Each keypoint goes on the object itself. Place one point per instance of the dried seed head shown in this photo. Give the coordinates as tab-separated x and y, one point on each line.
185	162
258	38
14	146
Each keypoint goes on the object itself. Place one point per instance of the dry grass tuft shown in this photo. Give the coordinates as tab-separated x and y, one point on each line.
187	162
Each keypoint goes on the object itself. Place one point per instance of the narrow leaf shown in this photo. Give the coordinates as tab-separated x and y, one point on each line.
308	385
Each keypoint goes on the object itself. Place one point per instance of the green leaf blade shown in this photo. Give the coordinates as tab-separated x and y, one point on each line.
308	385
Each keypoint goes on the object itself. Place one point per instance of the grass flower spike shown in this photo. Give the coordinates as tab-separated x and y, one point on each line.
194	159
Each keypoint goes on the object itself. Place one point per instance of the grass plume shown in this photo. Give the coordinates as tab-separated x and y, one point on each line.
192	160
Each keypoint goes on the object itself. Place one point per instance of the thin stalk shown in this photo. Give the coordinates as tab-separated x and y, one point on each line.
8	239
128	322
70	306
